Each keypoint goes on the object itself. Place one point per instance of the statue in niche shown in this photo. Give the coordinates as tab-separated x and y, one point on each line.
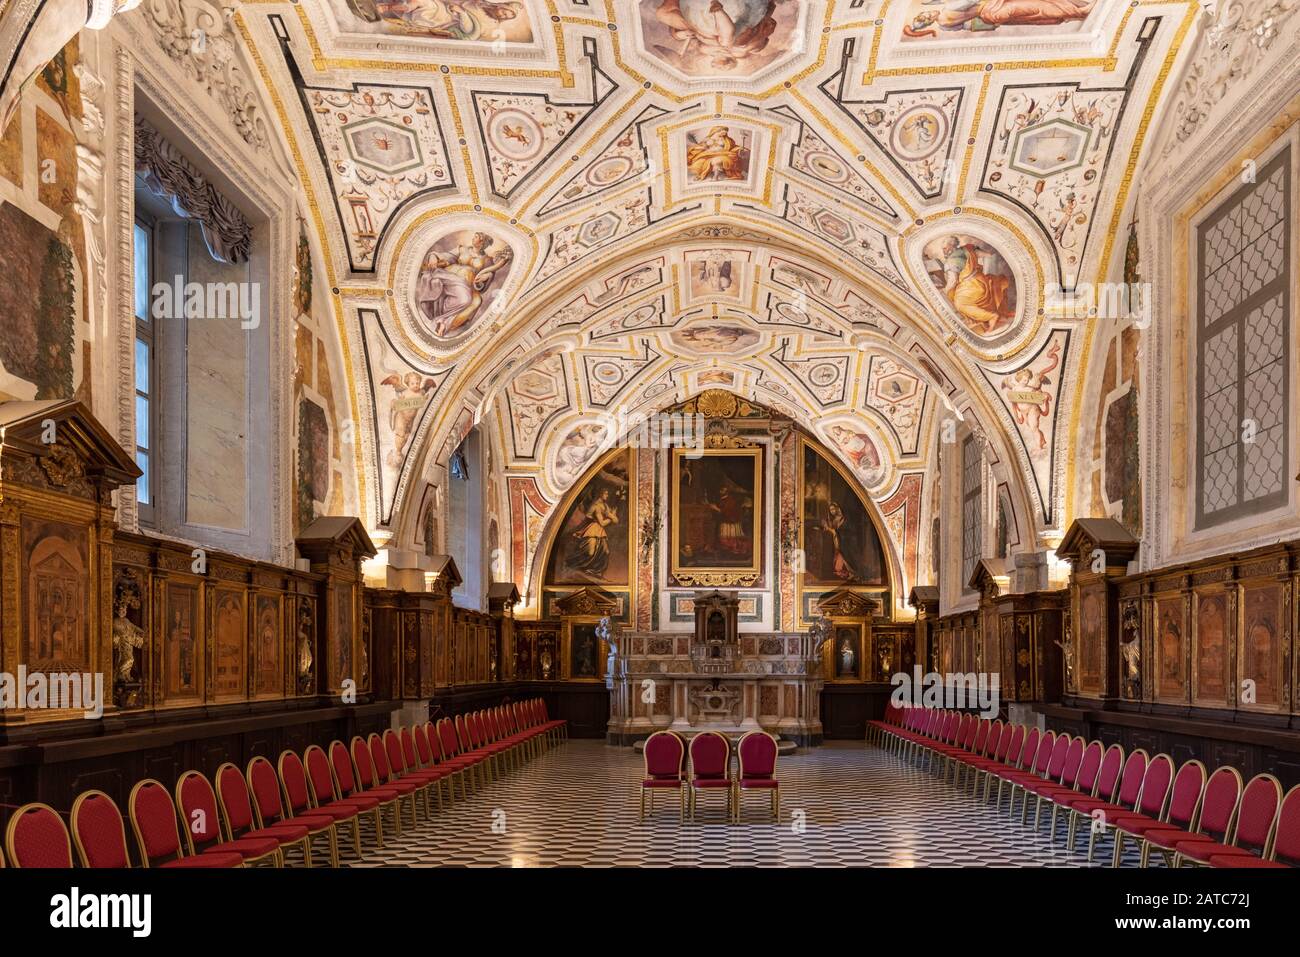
1067	657
305	659
127	638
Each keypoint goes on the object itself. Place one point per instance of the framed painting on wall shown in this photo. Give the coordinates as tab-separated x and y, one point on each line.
182	643
717	516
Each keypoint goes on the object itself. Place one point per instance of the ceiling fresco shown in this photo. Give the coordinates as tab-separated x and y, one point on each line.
864	214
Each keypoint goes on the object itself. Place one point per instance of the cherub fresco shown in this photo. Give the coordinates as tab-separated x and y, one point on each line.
1027	392
713	36
410	392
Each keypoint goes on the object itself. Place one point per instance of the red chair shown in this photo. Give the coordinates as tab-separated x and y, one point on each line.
421	767
665	760
1083	786
297	797
1066	783
269	809
1153	813
326	793
153	818
756	759
386	774
37	837
1213	821
237	813
202	819
369	781
350	788
1027	749
99	831
1098	810
430	751
1256	818
1286	840
449	753
1105	791
710	754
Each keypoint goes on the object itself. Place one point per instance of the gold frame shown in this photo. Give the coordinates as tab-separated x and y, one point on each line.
829	651
884	592
746	576
550	537
566	646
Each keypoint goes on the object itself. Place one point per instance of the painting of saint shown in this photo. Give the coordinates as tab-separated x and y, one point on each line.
486	20
846	652
860	451
715	154
584	650
460	279
975	279
945	18
577	449
1169	641
840	542
179	652
267	646
591	545
717	508
1211	648
720	38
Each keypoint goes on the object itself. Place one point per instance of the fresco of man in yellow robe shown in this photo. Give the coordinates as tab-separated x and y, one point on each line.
985	301
717	156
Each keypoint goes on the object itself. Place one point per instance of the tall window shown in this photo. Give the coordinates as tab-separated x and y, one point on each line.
971	526
1242	389
145	404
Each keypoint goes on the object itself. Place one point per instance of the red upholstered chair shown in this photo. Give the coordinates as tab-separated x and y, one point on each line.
1212	821
371	782
1035	750
1045	768
237	814
37	837
350	787
153	819
710	754
420	764
99	831
1252	835
326	792
269	809
393	771
756	770
665	763
297	798
201	820
1082	784
1098	811
1154	804
1063	777
1286	840
449	754
1105	791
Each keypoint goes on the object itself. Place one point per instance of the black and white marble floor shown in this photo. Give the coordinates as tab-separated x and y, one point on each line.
844	804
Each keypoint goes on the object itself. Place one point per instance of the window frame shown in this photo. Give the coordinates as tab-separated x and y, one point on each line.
146	331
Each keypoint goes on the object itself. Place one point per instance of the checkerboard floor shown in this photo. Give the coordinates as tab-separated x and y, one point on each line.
844	804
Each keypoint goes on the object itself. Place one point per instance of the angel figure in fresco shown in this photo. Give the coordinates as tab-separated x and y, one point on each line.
981	16
410	391
448	19
1026	390
589	542
449	291
576	451
725	32
717	156
983	300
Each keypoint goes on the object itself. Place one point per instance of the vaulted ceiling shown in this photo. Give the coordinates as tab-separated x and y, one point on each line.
862	213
